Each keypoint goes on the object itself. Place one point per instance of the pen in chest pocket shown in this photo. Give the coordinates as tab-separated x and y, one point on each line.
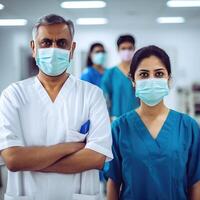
85	127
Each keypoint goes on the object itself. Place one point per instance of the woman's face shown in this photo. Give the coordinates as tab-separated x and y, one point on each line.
151	67
98	49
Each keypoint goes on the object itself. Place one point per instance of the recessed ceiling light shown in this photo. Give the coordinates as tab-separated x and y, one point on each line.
91	21
13	22
170	20
83	4
183	3
1	6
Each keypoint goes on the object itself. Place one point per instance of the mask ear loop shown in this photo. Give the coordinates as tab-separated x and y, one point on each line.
71	54
170	82
131	79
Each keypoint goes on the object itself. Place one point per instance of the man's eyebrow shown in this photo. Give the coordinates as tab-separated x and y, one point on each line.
46	39
62	39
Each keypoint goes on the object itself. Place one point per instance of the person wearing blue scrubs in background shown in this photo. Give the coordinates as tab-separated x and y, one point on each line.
95	64
156	150
117	87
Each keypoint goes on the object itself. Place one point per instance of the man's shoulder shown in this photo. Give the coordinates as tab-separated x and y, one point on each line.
110	71
84	85
19	85
17	91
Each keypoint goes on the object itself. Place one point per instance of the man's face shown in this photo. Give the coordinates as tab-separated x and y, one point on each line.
53	36
126	46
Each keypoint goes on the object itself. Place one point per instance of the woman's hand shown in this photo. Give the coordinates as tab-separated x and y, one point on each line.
195	191
112	190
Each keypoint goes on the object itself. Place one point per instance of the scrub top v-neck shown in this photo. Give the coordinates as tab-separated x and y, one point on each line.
155	169
28	117
64	91
161	142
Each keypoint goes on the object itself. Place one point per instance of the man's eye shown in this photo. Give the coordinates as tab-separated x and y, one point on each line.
159	74
62	44
46	43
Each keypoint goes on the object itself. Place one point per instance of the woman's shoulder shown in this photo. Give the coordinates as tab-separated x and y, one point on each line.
87	70
124	119
186	119
87	74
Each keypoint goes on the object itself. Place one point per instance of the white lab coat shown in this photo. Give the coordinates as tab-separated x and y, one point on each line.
28	117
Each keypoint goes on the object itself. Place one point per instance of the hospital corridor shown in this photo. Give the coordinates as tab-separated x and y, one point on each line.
99	100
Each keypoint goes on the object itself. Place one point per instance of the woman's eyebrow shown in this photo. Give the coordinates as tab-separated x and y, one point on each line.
143	70
159	69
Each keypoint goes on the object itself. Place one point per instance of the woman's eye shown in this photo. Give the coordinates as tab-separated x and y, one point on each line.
144	75
159	74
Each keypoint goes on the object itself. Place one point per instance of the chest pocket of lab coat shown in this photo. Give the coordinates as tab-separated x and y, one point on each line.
75	136
79	134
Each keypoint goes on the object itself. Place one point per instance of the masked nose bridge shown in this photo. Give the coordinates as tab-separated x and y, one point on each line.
151	75
54	44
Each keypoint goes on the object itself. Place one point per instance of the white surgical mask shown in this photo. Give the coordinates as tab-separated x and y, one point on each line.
53	61
152	91
126	55
99	58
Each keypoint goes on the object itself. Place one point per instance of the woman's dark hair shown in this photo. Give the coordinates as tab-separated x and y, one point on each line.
146	52
89	60
125	38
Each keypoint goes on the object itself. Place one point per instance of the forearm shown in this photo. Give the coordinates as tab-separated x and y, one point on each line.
112	190
83	160
36	158
195	192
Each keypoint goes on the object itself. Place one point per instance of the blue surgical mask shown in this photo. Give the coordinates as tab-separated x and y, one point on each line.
99	58
152	91
53	61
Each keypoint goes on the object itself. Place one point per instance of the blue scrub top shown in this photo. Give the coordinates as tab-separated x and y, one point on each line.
155	169
119	92
91	75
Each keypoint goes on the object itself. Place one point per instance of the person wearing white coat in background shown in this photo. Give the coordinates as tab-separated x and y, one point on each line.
54	129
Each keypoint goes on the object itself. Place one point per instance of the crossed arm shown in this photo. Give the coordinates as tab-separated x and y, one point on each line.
59	158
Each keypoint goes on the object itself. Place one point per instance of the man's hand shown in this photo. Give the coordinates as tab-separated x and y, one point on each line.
37	158
80	161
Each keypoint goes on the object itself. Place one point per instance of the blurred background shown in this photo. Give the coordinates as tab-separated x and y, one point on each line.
172	25
179	36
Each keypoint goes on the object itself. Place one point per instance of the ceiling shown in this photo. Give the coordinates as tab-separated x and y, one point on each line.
120	13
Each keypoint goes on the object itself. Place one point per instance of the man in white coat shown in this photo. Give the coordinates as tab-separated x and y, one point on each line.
54	129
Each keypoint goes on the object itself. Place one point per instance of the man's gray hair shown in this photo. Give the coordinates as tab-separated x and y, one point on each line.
50	20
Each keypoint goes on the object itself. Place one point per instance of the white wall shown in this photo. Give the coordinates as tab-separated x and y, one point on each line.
11	42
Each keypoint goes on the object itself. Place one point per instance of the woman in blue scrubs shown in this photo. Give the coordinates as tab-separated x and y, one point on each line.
156	150
95	64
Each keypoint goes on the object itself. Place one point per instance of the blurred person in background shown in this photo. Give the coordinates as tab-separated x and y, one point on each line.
117	87
95	64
